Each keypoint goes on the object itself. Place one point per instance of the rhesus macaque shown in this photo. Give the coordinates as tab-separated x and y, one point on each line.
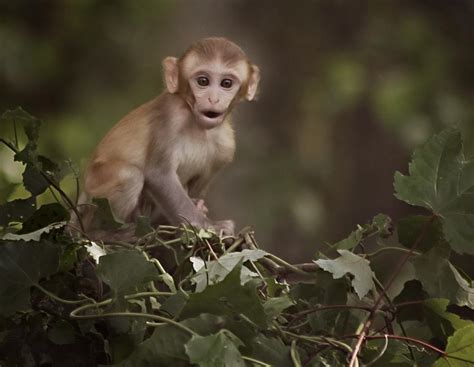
160	158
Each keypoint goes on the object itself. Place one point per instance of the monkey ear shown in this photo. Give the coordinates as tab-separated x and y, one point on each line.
170	74
254	80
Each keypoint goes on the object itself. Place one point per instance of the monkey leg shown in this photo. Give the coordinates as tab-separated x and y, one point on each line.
121	184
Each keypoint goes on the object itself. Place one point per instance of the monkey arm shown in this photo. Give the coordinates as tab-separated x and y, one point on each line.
170	193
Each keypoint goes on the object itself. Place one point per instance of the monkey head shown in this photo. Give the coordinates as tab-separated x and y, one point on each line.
212	76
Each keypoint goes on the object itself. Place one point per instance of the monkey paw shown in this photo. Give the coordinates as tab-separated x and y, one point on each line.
201	206
225	227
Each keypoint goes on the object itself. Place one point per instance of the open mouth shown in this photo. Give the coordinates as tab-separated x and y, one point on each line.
211	114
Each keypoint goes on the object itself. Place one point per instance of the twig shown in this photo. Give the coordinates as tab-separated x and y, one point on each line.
401	264
391	248
51	183
329	307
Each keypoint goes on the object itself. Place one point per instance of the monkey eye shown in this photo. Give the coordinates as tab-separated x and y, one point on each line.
226	83
203	81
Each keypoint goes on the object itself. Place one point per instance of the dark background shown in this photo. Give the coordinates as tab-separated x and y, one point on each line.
349	88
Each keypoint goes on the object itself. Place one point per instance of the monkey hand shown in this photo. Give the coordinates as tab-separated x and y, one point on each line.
225	227
201	206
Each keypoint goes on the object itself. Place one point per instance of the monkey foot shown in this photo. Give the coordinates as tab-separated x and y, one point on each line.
201	206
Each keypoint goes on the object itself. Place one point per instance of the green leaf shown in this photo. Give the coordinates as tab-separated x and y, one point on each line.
104	218
325	291
412	292
6	188
215	350
228	297
271	350
33	236
22	265
441	322
351	241
353	264
17	210
394	354
33	180
409	230
274	306
381	224
143	226
45	215
164	348
442	280
460	349
442	180
175	303
124	270
212	272
62	333
30	123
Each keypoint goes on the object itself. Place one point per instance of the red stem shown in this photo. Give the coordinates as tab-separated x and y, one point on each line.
376	305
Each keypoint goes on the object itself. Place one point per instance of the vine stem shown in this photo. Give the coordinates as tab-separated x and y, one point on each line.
75	315
366	326
412	340
256	361
62	300
301	314
286	264
391	248
319	340
294	354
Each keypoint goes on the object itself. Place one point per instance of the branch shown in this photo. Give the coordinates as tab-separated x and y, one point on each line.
401	264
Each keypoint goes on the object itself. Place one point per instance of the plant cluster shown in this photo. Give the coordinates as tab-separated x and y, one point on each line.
180	296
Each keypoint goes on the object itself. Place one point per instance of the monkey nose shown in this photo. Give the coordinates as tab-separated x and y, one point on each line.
213	100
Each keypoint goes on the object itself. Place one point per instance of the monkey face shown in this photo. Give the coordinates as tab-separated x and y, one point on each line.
214	87
211	77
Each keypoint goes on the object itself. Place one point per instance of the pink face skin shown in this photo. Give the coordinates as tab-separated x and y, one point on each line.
214	86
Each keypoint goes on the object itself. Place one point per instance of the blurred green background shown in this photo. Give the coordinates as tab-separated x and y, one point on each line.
349	88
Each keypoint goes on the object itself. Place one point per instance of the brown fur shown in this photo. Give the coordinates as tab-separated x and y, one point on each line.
159	156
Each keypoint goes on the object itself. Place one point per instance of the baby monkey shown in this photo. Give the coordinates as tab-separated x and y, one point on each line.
159	159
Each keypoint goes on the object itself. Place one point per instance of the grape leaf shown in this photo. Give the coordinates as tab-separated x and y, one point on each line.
442	180
354	264
62	332
461	348
164	348
124	270
271	350
228	297
18	210
45	215
35	235
220	349
441	322
274	306
447	283
95	251
412	292
351	241
22	265
380	223
104	217
409	229
214	271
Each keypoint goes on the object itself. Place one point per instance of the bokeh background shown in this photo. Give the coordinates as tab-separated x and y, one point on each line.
349	88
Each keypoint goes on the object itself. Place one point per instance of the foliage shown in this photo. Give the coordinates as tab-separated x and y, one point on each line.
181	296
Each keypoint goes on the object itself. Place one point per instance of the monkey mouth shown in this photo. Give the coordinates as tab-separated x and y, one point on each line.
211	114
